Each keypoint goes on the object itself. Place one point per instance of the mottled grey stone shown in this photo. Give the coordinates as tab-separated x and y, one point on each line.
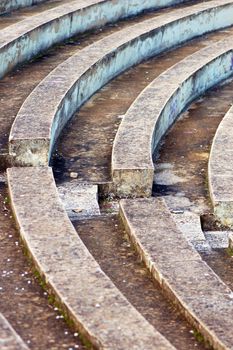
218	239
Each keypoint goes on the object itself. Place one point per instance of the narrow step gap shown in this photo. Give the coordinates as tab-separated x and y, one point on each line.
20	83
22	301
85	145
107	242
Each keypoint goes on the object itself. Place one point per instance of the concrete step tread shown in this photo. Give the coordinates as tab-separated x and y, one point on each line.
9	339
96	306
38	125
184	81
186	278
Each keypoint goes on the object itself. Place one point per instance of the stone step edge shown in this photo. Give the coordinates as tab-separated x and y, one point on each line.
9	339
83	291
166	254
133	171
10	5
24	40
36	129
220	175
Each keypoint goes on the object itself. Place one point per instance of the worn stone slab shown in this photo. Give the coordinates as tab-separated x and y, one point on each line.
100	312
9	339
9	5
38	124
139	131
205	300
22	41
220	174
79	200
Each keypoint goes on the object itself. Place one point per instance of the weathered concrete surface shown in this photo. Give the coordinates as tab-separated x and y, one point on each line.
86	294
24	40
184	82
9	339
79	200
9	5
218	239
186	278
189	223
74	81
220	174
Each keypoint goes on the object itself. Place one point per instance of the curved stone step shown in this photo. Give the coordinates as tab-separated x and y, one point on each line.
205	300
24	40
98	309
220	174
9	5
38	124
9	339
133	171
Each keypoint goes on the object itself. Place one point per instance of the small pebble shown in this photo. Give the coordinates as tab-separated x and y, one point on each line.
73	175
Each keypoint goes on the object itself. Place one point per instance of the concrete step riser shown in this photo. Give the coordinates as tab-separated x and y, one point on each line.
9	5
96	65
133	171
26	39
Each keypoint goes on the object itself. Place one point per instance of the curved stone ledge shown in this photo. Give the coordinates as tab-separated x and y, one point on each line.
220	173
156	109
24	40
9	5
100	312
204	299
9	339
43	115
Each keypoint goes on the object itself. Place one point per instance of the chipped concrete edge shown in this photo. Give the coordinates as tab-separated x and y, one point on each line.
174	297
9	339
